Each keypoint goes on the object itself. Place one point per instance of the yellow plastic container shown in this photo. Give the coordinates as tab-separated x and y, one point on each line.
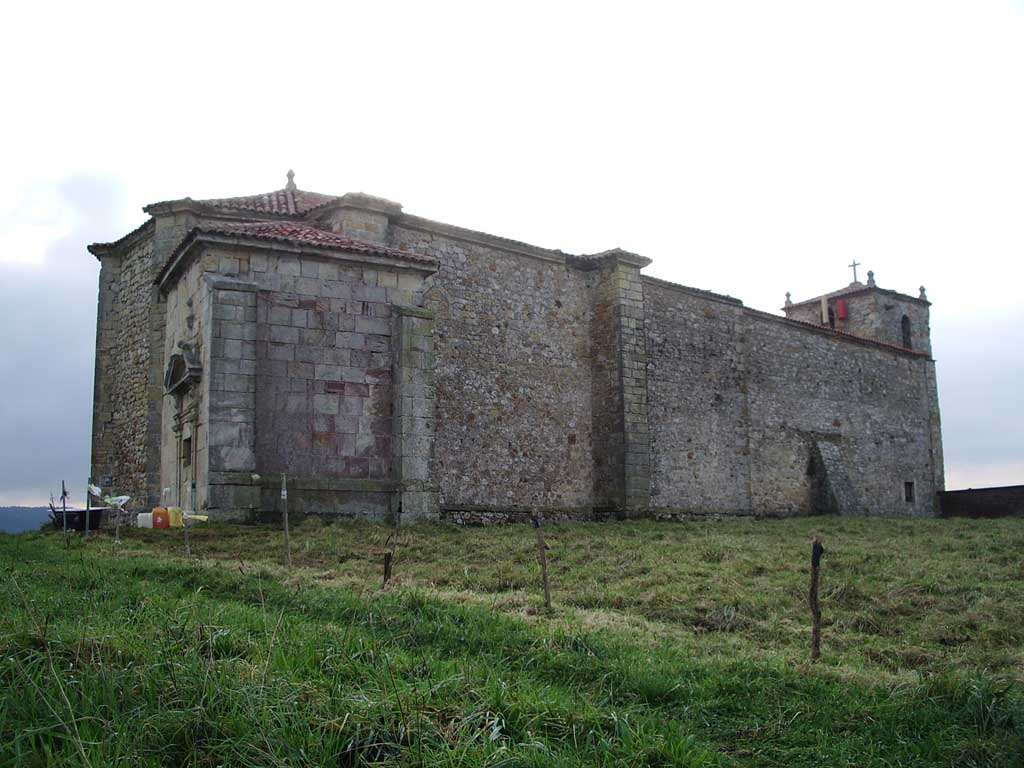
175	517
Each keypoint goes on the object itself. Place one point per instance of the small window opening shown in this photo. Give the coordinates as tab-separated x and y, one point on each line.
908	492
186	452
905	328
831	318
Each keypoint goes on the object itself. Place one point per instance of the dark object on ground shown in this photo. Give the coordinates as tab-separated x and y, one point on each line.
76	519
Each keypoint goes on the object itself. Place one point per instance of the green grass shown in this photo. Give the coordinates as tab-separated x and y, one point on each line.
669	644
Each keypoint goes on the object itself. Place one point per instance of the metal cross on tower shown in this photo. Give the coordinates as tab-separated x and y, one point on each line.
855	264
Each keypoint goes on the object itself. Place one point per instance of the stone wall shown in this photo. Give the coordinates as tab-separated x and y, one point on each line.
875	403
512	374
751	414
807	387
888	313
299	379
609	437
185	415
103	458
698	401
633	344
414	413
127	387
128	400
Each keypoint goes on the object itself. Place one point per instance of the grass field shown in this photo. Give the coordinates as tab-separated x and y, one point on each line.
668	644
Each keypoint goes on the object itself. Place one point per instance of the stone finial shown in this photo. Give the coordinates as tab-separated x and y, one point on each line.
871	278
923	294
789	301
291	180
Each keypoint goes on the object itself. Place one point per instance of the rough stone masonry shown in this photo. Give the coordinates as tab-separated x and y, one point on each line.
388	364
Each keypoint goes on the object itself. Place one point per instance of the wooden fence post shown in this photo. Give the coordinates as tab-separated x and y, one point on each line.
816	552
64	506
287	538
392	545
542	555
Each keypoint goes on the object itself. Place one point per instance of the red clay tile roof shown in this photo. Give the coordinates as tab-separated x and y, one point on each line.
287	202
307	234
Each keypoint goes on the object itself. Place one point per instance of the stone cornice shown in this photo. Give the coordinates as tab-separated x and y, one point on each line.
198	237
698	292
520	248
517	247
119	246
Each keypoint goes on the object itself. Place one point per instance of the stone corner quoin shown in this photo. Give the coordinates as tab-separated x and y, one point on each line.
392	365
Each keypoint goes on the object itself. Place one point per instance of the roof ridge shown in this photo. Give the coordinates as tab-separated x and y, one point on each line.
293	203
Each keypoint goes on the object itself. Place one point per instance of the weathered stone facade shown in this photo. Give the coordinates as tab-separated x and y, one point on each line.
129	366
389	364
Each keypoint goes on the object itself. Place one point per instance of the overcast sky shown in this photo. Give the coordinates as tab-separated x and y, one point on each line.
749	148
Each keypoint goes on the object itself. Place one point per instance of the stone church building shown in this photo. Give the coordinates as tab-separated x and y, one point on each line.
388	363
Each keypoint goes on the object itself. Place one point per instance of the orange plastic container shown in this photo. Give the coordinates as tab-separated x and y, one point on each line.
161	518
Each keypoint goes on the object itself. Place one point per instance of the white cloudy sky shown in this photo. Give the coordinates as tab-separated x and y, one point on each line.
752	148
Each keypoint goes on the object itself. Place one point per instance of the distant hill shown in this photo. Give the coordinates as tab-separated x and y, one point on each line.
18	519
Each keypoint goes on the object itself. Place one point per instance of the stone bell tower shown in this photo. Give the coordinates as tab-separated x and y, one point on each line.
866	311
870	312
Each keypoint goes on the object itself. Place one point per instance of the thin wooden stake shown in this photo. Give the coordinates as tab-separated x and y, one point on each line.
816	552
184	518
287	538
389	556
88	509
64	506
542	555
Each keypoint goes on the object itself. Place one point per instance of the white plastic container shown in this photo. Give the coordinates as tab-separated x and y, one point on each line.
144	520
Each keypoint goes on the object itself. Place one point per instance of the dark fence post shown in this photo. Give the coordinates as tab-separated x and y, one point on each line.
392	545
816	552
287	539
542	555
64	506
